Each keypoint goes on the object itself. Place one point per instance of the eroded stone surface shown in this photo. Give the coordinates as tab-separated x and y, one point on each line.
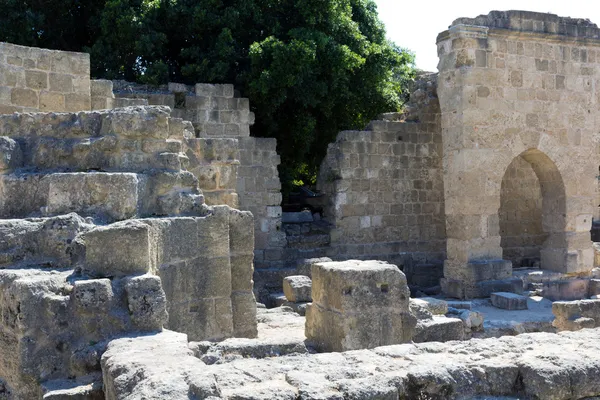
297	288
358	304
539	365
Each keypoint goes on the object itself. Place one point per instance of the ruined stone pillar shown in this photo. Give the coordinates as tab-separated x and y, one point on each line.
517	84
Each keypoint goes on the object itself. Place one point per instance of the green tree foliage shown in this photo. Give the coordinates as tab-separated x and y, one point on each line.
310	67
56	24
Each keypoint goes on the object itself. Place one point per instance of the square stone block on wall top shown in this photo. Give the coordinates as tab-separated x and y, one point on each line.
115	250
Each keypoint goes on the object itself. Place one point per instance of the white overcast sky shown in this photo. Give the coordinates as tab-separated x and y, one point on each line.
414	24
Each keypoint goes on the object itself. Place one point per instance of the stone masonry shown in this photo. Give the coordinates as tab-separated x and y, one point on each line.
33	79
385	188
494	161
517	84
105	233
232	168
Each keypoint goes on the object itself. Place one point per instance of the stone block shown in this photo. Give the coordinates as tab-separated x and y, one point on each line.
508	301
435	306
92	295
304	267
419	310
461	290
177	87
297	288
117	250
459	305
11	156
576	315
106	196
439	329
593	287
75	102
358	304
24	97
202	319
572	289
242	271
244	314
36	80
52	101
101	88
60	83
596	247
147	302
488	270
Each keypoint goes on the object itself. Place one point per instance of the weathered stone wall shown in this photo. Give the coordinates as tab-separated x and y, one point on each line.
213	109
385	187
232	168
517	84
148	244
215	162
521	215
259	189
33	79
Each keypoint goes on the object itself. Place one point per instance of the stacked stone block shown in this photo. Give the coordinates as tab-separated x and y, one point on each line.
137	250
215	162
33	79
102	96
358	305
56	325
214	110
259	189
232	168
385	188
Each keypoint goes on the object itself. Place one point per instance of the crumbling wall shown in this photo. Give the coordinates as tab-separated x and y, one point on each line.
33	79
385	188
521	215
259	189
138	249
232	168
213	109
215	162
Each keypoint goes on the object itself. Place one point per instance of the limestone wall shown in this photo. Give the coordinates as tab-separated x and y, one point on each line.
232	168
519	84
215	162
521	215
385	187
213	109
33	79
259	189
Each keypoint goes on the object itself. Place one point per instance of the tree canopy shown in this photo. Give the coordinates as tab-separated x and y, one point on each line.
310	67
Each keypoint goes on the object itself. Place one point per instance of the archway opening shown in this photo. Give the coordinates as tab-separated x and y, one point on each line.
532	211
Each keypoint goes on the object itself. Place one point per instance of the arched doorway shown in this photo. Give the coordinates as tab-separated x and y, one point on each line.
532	212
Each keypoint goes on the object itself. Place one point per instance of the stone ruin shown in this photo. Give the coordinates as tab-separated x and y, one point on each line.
140	225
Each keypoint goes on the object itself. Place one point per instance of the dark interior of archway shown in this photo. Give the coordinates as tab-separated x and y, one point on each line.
520	213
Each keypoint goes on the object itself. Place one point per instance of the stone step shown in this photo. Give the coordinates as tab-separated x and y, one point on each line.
439	329
88	387
508	301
